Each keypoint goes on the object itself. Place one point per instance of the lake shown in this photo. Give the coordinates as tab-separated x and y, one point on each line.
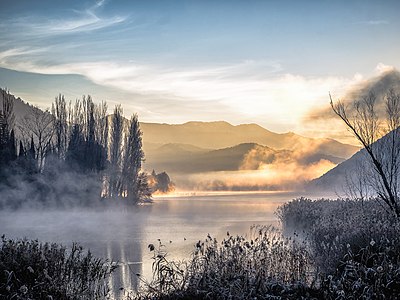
124	235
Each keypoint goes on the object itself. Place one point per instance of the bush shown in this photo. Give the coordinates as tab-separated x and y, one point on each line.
33	270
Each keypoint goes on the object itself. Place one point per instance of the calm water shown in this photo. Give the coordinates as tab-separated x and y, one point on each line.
123	236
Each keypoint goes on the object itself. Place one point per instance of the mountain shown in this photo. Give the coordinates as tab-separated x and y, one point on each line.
21	108
219	135
187	159
355	170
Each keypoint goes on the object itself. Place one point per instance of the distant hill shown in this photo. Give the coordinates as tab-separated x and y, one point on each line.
218	135
21	108
352	170
335	180
182	158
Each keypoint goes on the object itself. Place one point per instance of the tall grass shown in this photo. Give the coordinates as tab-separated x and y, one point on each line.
355	245
262	266
34	270
341	249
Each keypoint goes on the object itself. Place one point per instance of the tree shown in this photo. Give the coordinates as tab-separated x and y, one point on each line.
144	190
117	127
40	125
8	150
133	158
59	111
75	155
368	123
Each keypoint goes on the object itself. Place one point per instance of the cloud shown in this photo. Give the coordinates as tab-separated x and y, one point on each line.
374	22
253	89
84	20
22	51
322	120
381	68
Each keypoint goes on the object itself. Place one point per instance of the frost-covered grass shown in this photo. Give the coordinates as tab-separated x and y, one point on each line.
265	265
341	249
330	249
355	245
34	270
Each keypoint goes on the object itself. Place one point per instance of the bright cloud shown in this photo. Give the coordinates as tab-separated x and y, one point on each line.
285	98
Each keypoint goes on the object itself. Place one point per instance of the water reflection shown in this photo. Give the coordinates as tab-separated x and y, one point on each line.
129	257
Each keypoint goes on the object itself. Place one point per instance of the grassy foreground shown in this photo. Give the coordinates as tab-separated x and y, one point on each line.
341	249
34	270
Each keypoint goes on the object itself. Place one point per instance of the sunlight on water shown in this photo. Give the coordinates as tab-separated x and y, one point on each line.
123	236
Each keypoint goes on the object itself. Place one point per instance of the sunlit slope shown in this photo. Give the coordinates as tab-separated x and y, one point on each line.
182	158
218	135
356	171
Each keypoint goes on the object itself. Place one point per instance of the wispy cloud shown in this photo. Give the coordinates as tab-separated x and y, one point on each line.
373	22
23	51
84	20
257	90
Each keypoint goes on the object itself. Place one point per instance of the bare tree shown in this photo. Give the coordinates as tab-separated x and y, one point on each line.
102	124
363	119
59	111
356	185
40	126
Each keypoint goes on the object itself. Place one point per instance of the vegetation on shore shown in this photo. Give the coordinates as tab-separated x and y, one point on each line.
34	270
330	249
327	249
72	155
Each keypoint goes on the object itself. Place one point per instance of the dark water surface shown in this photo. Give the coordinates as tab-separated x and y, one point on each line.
124	236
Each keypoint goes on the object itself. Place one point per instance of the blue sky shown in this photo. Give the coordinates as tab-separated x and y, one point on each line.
268	62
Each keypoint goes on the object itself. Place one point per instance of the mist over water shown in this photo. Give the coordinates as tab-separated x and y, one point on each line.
123	235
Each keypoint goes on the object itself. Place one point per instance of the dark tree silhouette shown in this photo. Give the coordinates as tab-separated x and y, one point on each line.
366	123
132	163
8	152
59	111
74	140
117	127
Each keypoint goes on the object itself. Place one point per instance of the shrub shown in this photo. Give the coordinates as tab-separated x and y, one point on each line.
34	270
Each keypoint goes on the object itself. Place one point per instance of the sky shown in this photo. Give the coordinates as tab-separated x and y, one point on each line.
265	62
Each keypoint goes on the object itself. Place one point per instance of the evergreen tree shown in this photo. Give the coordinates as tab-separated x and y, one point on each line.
133	160
75	155
115	153
22	152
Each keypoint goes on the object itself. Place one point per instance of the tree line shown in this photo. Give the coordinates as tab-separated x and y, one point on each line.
78	137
